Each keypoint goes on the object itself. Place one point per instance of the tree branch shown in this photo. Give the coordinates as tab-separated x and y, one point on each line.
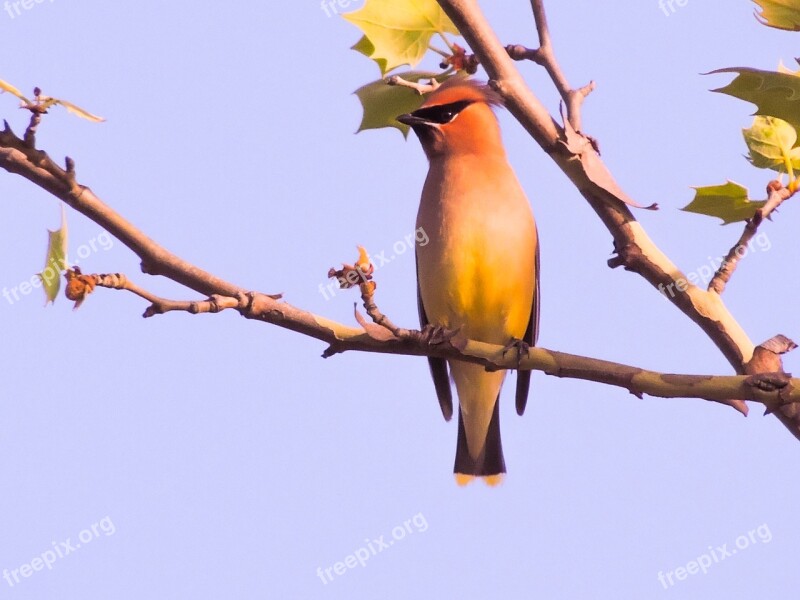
36	166
776	390
635	250
544	55
385	337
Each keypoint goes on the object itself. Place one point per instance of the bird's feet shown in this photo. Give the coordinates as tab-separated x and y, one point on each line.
433	335
522	347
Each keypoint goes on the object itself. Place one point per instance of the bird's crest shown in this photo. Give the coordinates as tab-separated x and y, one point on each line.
457	89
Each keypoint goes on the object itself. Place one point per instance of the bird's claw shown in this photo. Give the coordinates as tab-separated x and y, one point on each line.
433	335
521	346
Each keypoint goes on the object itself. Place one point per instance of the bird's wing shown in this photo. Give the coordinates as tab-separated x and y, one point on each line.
441	380
531	334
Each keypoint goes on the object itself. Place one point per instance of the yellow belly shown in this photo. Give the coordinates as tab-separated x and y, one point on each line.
477	271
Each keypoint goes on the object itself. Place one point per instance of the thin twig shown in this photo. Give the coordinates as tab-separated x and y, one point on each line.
544	55
368	298
158	306
420	88
777	195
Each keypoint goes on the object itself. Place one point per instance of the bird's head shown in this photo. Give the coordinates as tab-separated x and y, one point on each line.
457	118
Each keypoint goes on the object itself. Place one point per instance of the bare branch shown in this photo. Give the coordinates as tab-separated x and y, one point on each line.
777	195
544	55
420	88
776	390
158	306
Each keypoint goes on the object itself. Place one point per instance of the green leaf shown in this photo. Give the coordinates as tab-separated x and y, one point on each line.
775	94
771	143
365	47
56	260
728	202
382	102
399	30
780	14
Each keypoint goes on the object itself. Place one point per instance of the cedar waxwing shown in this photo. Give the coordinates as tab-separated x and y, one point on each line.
479	273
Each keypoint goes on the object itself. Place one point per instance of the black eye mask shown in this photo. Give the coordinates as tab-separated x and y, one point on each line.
442	113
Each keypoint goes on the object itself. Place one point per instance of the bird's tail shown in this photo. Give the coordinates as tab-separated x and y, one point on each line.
489	464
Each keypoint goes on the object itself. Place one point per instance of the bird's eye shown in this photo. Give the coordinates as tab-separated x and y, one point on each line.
443	113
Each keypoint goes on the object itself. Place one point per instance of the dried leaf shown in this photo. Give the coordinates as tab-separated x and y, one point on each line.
78	286
582	147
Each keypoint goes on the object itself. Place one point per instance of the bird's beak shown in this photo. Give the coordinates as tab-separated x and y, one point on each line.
412	120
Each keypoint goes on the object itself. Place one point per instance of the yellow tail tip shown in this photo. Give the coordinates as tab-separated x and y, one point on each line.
491	480
494	480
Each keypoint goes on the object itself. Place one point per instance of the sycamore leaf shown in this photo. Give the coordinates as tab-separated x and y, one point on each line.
56	260
780	14
382	102
728	202
365	47
399	31
771	143
47	102
7	87
774	94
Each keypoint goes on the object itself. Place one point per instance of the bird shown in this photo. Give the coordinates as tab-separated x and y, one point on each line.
479	271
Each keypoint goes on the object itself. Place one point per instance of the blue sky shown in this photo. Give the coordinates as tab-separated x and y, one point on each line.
208	456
